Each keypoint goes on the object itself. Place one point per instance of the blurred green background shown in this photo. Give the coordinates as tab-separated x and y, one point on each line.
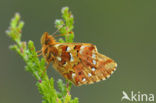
124	30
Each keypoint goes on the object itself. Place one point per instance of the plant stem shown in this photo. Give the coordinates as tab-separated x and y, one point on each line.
36	66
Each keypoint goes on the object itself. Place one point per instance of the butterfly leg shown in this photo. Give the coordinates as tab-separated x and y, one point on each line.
45	69
39	51
39	54
48	63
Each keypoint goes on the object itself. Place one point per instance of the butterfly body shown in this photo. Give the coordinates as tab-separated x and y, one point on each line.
78	62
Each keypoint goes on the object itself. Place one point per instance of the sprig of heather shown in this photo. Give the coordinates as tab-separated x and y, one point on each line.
36	66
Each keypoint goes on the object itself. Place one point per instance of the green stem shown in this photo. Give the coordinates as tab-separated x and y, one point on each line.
36	66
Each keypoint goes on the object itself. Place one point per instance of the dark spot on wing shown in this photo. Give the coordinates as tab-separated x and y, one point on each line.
64	48
77	47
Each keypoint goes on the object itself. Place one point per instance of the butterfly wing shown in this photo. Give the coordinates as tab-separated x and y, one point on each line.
82	64
95	66
98	69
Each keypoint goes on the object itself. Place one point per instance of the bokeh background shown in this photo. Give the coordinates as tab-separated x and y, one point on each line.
124	30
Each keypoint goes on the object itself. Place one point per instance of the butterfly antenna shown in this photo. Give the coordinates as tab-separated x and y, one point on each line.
57	30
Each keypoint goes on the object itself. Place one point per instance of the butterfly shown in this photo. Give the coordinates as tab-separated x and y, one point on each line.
78	62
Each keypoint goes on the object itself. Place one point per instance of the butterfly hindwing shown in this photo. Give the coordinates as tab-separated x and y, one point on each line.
96	66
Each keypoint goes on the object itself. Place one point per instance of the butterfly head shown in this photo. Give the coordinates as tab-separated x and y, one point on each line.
47	39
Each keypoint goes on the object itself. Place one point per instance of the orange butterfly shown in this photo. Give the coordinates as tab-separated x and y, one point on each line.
78	62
